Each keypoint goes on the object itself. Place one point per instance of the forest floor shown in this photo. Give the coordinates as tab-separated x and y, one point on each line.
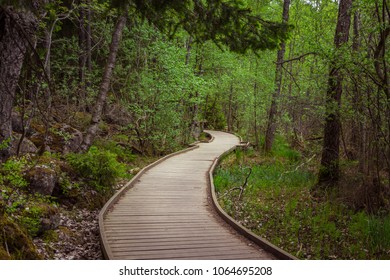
77	236
278	203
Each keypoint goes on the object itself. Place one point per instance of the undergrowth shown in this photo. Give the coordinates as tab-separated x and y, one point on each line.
99	167
277	204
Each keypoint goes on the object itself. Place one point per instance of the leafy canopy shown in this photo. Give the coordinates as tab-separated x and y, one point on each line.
225	22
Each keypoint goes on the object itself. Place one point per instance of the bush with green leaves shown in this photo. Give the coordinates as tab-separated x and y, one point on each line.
11	173
99	167
123	154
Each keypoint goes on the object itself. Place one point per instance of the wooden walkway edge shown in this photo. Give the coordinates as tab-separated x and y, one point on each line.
169	211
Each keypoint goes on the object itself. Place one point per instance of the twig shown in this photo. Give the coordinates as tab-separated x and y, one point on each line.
5	243
292	76
245	184
297	58
229	191
299	166
241	188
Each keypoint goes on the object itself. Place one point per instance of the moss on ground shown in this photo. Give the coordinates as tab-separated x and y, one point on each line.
15	242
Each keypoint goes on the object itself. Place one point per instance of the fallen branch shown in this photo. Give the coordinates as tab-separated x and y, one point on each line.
241	188
299	166
229	191
245	184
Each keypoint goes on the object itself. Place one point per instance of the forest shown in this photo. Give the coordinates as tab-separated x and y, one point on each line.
91	91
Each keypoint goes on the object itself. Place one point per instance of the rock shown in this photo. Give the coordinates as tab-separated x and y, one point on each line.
134	171
116	114
42	179
61	138
27	146
75	140
50	223
19	244
17	124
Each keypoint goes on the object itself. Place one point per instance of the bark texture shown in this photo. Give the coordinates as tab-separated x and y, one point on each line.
16	29
105	84
329	170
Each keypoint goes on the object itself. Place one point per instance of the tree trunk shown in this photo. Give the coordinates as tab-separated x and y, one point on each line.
105	84
357	130
229	117
255	114
194	109
188	48
82	45
329	170
89	37
271	126
15	28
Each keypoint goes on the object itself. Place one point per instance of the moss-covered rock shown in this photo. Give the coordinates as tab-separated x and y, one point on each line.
15	243
61	138
26	146
38	217
42	179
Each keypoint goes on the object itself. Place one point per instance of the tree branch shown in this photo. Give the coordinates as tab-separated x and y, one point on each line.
297	58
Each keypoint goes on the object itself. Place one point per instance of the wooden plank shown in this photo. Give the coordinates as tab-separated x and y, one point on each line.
131	235
175	246
167	240
201	252
177	236
171	243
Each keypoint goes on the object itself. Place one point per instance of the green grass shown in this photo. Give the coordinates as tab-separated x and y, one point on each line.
278	205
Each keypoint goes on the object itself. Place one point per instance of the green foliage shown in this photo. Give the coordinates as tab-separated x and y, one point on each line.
5	143
68	188
12	173
215	116
31	220
66	136
157	93
99	167
123	154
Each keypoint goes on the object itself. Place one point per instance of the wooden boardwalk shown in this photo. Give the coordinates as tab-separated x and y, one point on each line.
167	214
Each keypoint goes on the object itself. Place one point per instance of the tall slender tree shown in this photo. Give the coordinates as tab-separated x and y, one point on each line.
273	111
105	84
329	170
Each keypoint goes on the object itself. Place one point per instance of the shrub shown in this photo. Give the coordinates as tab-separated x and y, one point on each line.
11	173
99	167
123	154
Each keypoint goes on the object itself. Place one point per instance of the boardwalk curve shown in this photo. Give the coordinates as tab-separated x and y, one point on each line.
168	214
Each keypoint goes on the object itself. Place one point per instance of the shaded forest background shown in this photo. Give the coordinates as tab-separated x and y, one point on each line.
92	90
